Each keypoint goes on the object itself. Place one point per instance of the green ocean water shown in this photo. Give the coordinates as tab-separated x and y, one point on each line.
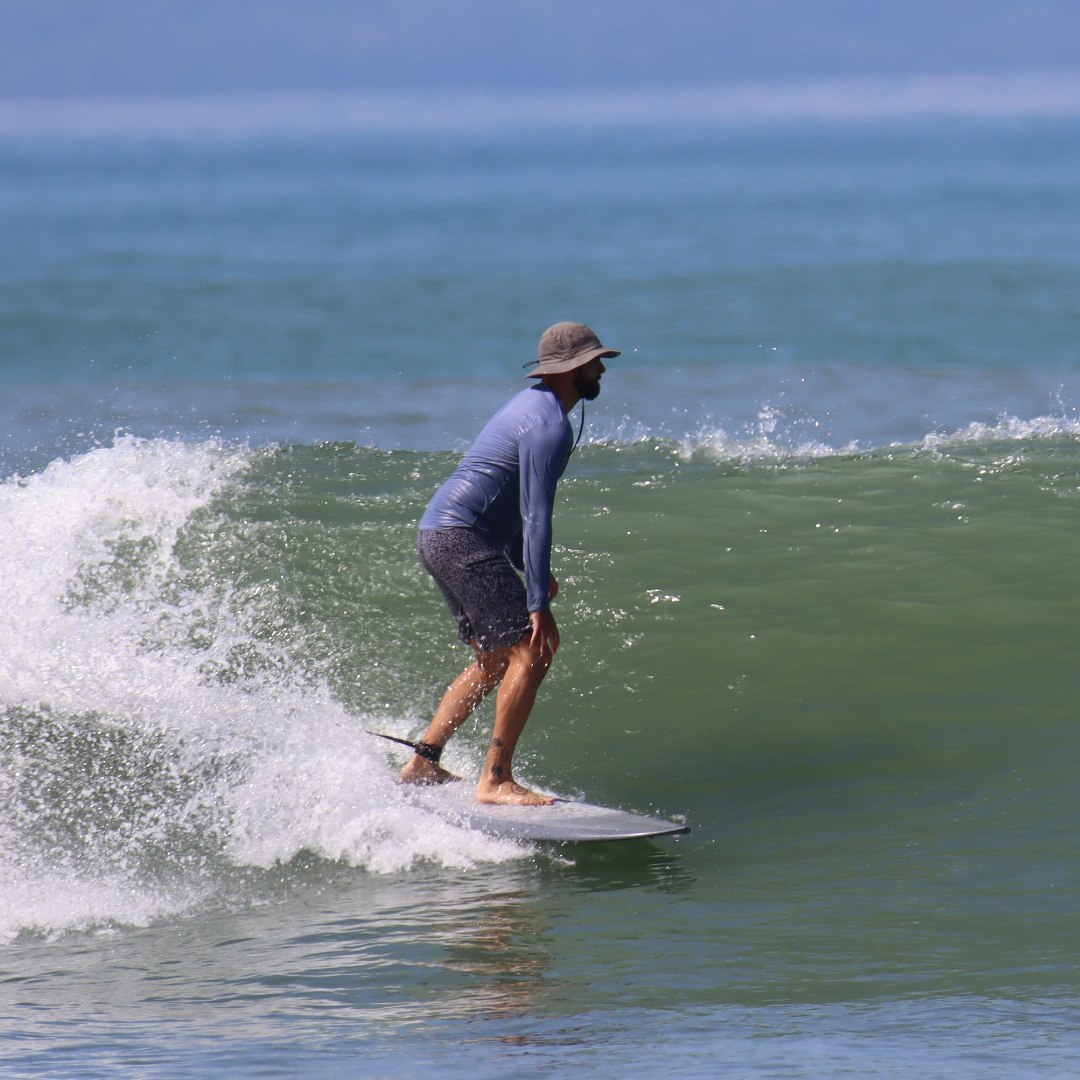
852	673
822	605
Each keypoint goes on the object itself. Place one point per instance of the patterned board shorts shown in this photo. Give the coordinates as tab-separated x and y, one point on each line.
482	590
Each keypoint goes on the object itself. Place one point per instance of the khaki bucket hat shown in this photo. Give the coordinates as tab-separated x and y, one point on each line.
565	346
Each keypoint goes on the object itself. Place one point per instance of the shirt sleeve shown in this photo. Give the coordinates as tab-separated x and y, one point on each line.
543	453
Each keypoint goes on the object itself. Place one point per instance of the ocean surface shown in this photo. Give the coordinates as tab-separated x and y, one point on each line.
819	551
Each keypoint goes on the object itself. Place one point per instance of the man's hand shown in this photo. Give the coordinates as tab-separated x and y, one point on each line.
553	587
545	635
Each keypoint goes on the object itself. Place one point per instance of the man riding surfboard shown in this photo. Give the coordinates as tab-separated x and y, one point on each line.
494	511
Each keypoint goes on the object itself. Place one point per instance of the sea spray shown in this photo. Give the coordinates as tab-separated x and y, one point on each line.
139	764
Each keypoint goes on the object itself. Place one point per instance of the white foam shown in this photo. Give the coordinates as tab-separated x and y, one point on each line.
763	444
719	446
763	441
63	528
1006	429
323	785
52	903
760	443
219	774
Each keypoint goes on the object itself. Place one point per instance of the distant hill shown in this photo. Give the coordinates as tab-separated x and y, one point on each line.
139	47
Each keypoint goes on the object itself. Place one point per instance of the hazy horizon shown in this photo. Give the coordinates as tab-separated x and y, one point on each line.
72	48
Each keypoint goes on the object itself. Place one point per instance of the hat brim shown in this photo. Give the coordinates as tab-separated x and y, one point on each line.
554	367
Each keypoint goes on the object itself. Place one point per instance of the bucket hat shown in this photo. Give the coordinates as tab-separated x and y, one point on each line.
565	346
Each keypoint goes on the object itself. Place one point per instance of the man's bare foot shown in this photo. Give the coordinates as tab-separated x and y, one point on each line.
509	793
421	771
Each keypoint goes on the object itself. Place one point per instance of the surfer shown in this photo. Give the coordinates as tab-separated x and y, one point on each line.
494	511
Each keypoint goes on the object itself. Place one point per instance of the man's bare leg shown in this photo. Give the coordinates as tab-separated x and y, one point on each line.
525	667
463	695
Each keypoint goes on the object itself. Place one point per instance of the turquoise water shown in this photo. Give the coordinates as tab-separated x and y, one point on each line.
818	555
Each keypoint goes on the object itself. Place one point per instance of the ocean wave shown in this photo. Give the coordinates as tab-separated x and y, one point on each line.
136	779
1005	429
163	730
772	438
717	445
769	441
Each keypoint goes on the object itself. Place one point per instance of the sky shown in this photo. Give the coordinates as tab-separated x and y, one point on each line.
139	48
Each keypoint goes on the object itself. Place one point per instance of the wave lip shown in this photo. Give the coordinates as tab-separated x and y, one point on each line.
1006	429
719	446
764	444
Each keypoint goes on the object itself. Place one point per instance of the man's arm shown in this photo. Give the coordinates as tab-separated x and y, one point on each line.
543	453
516	554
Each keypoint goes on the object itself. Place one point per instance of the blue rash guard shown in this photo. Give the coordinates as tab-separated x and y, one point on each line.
505	486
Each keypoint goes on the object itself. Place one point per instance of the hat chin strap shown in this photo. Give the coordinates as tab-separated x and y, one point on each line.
565	360
581	428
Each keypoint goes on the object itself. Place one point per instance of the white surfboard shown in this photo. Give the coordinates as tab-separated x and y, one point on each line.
567	822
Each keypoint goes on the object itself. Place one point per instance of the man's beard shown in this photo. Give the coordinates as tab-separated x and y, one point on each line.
586	388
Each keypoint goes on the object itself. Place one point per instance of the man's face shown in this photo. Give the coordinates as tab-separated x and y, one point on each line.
587	379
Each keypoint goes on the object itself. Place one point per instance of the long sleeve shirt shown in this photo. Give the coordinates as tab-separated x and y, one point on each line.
505	485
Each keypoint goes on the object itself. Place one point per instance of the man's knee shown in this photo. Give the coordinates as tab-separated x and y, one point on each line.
531	657
523	656
493	664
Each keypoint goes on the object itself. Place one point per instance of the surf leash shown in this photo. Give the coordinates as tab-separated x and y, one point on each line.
423	749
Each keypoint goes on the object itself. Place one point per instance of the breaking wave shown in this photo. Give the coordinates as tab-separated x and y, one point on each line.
145	759
194	637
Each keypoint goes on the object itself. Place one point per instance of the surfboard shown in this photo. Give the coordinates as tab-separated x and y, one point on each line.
564	822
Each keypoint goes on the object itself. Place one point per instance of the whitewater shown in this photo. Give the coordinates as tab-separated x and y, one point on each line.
138	765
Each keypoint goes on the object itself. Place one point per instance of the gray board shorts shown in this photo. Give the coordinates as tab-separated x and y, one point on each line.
480	585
